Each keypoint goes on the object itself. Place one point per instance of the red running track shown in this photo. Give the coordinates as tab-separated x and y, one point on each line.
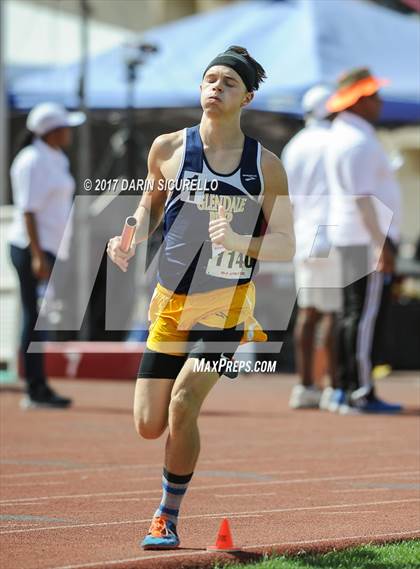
78	487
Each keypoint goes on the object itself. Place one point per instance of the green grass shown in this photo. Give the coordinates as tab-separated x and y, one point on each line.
403	555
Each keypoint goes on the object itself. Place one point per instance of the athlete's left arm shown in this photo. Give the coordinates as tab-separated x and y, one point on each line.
278	244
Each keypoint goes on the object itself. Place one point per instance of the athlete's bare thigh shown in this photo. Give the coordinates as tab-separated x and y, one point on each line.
151	403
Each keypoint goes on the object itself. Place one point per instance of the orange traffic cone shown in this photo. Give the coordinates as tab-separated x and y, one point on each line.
224	542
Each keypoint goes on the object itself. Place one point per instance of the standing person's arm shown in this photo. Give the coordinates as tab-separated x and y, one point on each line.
150	209
30	190
385	253
361	181
278	244
39	263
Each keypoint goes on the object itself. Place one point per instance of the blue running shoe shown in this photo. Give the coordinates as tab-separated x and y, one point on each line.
365	401
162	535
338	398
375	405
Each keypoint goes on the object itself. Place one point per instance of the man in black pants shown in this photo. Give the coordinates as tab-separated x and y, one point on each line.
364	226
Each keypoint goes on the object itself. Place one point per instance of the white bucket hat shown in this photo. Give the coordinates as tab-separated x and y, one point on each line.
314	101
48	116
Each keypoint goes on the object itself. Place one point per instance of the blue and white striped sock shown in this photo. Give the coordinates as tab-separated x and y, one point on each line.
173	490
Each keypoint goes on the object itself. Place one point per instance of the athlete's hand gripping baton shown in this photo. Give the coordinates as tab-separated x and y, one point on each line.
128	232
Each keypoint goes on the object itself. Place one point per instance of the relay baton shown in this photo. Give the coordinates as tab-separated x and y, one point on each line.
128	232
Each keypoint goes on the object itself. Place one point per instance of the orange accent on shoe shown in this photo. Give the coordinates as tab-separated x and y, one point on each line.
158	527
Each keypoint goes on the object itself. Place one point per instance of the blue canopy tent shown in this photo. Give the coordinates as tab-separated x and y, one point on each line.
299	42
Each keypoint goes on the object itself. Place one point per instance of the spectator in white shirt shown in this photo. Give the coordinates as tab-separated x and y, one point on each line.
43	191
364	226
316	265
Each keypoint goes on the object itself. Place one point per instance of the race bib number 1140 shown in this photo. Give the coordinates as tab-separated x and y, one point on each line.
230	265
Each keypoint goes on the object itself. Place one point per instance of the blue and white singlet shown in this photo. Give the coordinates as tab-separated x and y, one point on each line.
188	262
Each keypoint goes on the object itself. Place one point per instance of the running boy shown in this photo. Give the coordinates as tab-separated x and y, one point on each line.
226	185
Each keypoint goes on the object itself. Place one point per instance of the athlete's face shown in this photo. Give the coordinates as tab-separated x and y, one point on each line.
223	91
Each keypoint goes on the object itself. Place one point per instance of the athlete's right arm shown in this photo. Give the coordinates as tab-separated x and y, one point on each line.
150	209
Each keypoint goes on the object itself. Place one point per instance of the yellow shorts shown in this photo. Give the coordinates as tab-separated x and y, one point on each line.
172	316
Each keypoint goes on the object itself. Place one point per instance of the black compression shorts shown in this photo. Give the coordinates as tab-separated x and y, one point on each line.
203	342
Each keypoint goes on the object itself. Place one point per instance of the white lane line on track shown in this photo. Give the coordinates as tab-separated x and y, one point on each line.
219	515
104	564
283	472
413	476
210	487
360	490
328	539
148	499
127	500
234	516
78	470
399	453
140	478
32	504
55	483
145	466
389	468
244	495
344	513
100	468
